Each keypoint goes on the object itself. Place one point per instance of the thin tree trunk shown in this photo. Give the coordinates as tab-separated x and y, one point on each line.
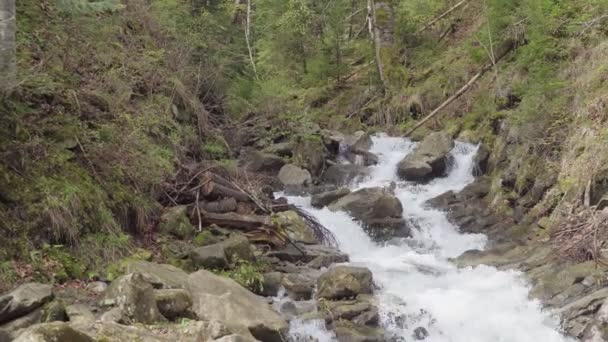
443	15
382	34
247	38
7	45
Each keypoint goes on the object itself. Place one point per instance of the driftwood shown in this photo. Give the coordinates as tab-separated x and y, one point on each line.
225	205
443	15
215	190
234	220
504	51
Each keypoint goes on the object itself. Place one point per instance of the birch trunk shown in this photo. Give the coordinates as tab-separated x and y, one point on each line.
381	21
7	45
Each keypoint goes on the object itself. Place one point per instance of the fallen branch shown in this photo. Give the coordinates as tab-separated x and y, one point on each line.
215	190
432	22
461	90
234	220
225	205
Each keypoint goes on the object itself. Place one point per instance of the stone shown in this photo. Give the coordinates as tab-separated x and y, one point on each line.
235	338
332	141
306	253
54	311
161	276
295	227
222	299
173	303
420	334
310	153
359	312
237	247
346	332
343	282
22	322
53	332
283	149
325	198
344	174
175	221
359	141
24	299
480	161
428	160
135	297
272	284
256	161
79	313
294	177
114	315
97	287
209	257
112	331
299	286
326	260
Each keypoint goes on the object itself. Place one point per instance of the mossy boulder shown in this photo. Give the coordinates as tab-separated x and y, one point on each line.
24	299
161	276
173	303
135	297
295	227
310	153
428	160
343	282
53	332
175	221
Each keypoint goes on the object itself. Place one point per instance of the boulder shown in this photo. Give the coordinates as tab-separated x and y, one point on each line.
480	161
379	211
332	141
24	299
135	297
222	299
344	174
256	161
343	282
173	303
325	198
307	253
209	257
79	313
359	312
428	160
161	276
97	287
272	284
299	286
294	177
283	149
310	153
175	221
359	141
346	332
295	227
53	332
237	247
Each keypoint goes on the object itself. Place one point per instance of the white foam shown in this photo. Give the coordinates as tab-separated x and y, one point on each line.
419	286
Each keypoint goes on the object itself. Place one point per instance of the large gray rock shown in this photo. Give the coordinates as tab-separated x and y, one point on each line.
428	160
284	149
307	253
23	300
53	332
79	313
222	299
300	286
378	209
343	282
161	276
346	332
295	227
294	178
325	198
209	257
344	174
256	161
175	221
173	303
237	247
135	297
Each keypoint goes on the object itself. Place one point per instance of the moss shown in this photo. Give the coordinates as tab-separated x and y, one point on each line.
205	238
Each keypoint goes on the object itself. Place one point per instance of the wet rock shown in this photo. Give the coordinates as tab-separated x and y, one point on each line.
53	332
361	157
300	286
325	198
173	303
295	227
209	257
135	297
359	312
343	282
359	141
349	333
24	299
161	276
307	253
428	160
310	153
294	178
114	315
256	161
324	261
420	334
272	284
332	141
79	313
221	299
175	221
481	161
344	174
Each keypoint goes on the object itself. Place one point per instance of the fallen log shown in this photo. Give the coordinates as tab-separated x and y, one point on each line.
208	177
214	190
443	15
234	220
225	205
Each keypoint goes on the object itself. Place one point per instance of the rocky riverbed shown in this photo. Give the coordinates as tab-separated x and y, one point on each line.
308	282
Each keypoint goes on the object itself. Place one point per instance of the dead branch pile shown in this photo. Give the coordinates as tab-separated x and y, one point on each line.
581	237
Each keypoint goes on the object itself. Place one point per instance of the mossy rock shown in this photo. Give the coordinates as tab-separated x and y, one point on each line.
175	221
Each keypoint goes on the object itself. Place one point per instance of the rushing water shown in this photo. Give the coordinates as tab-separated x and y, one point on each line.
419	286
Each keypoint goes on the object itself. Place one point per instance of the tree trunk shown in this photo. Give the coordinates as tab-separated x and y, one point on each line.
381	20
7	45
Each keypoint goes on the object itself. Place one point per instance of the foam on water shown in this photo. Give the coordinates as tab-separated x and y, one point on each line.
419	286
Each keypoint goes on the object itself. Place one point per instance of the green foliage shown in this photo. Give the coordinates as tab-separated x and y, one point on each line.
249	275
88	6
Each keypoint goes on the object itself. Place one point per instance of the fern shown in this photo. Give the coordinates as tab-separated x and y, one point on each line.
88	6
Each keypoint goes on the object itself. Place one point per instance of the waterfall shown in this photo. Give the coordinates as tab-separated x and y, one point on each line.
418	285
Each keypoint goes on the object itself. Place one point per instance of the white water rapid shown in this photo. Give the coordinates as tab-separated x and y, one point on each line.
418	285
